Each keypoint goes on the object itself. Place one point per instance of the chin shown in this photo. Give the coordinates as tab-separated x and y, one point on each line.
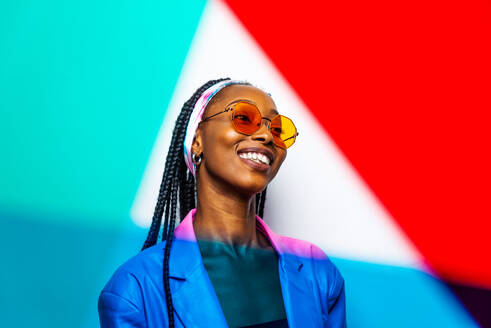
245	180
252	184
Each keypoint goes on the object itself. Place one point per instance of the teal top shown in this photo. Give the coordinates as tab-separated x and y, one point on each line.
246	282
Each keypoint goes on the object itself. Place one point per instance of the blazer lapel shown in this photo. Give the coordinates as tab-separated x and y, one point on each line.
296	288
194	298
297	295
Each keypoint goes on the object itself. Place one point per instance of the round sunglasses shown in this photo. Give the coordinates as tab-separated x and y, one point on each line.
247	119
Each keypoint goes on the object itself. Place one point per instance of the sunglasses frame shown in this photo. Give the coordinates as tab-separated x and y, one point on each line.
230	107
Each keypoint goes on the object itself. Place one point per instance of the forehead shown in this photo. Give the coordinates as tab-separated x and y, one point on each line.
235	92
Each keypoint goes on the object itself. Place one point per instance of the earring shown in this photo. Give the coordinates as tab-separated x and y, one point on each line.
196	159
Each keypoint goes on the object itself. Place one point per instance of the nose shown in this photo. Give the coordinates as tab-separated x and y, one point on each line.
264	132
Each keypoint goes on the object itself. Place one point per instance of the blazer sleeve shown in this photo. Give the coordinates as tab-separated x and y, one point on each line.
331	285
336	301
120	304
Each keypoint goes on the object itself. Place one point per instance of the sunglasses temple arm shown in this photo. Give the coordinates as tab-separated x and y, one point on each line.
207	118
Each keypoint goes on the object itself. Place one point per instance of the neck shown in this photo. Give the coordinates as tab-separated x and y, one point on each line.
226	215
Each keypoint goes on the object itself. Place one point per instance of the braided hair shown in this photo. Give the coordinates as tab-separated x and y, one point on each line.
179	184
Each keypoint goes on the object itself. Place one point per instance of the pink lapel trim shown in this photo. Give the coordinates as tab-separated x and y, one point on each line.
185	231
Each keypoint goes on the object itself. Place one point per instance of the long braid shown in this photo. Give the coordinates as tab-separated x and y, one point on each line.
177	185
188	201
260	201
168	245
163	197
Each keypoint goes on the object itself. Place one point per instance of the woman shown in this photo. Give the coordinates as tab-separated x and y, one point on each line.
222	266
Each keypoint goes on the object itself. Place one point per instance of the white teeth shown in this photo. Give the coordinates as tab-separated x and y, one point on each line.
256	157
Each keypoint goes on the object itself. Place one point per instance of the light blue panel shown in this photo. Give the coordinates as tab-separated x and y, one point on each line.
388	296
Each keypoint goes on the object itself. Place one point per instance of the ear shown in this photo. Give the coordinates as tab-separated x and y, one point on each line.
197	146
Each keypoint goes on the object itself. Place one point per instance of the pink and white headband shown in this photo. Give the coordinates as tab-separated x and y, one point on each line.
196	116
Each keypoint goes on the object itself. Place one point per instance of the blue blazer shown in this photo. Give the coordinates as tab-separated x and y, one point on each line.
312	287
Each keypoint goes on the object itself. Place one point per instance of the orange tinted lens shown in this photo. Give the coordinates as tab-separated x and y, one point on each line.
284	131
246	118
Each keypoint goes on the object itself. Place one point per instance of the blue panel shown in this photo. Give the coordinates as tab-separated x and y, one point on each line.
54	272
51	273
388	296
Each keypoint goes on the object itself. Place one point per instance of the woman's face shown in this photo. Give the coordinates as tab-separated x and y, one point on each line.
221	146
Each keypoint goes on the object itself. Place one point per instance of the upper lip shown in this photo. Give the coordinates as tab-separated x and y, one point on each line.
268	153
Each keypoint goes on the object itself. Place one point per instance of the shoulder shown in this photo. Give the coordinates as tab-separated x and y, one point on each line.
302	249
126	282
122	301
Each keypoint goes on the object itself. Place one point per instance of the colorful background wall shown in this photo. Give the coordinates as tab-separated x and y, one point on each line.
389	176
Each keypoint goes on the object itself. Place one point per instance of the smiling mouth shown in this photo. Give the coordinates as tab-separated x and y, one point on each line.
258	163
255	157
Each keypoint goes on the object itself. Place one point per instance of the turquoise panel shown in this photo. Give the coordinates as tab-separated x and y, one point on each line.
84	87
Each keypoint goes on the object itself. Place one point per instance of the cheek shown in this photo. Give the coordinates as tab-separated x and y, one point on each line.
219	150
